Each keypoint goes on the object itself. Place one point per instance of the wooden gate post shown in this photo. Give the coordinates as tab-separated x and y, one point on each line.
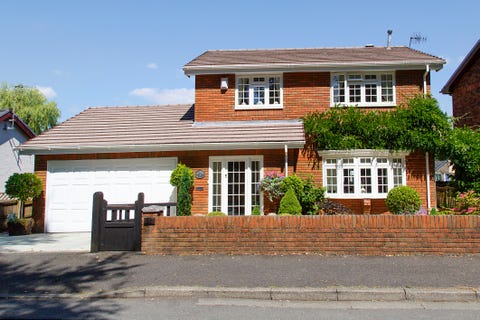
97	215
138	221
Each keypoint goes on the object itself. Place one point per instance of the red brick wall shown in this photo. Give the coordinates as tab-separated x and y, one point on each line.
303	92
466	96
360	234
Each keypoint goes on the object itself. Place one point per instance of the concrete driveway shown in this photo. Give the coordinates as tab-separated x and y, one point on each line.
46	242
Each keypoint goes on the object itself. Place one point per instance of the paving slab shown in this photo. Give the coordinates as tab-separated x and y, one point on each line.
45	242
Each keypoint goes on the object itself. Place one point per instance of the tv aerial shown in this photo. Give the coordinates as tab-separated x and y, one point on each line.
416	38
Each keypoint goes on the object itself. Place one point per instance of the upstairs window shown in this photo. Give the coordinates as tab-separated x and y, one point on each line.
259	92
363	89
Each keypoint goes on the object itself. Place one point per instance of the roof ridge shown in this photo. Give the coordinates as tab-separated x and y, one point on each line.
304	48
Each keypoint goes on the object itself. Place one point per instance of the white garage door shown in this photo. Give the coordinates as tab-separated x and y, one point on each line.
72	183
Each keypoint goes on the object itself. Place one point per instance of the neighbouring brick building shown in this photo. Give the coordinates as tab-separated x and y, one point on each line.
464	87
244	123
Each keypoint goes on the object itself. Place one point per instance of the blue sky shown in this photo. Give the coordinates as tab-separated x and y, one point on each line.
102	53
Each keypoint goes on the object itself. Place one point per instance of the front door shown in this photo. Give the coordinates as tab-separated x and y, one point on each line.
234	184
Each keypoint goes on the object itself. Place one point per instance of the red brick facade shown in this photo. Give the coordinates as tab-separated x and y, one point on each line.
335	235
466	96
302	93
273	160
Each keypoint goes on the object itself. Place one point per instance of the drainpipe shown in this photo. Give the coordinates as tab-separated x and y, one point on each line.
286	161
427	167
427	70
427	174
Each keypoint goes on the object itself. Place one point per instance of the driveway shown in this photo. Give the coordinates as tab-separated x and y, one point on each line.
46	242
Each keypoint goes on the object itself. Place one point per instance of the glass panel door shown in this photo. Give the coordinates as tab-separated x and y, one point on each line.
236	188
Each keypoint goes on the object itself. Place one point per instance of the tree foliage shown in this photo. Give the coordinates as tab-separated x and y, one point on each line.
462	148
419	125
31	106
23	186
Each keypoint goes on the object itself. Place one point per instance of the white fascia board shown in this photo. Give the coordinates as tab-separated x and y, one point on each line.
362	153
164	147
301	67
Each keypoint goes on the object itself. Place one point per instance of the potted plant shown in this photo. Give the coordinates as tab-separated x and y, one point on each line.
22	186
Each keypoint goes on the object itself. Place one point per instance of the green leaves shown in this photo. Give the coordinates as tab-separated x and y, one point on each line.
23	186
31	106
420	125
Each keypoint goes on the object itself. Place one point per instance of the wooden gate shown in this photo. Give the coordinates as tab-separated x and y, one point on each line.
116	227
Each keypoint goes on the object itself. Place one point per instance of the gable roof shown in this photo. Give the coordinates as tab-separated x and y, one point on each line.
469	59
6	115
313	58
159	128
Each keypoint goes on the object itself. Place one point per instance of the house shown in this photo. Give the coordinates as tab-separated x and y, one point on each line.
244	123
464	87
13	132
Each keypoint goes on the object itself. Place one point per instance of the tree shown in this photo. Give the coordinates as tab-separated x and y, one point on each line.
23	186
31	106
462	148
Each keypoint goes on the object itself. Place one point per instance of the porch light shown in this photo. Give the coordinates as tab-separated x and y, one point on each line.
224	83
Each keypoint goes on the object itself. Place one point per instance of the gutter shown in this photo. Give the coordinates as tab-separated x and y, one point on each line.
48	150
215	69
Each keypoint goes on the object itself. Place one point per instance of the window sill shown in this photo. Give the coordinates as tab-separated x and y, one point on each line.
259	107
356	196
364	105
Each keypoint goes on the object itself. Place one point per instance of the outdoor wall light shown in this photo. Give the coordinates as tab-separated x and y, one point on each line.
224	83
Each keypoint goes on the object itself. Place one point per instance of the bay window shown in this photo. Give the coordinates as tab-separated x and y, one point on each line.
363	89
367	174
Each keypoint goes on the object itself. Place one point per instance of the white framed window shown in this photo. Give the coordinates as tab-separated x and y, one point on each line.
234	184
362	173
363	89
259	92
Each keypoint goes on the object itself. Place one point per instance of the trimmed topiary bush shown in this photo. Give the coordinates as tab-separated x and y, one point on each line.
184	202
23	186
290	204
177	174
216	214
403	200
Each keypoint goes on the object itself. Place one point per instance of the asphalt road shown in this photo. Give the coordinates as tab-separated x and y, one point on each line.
81	272
175	308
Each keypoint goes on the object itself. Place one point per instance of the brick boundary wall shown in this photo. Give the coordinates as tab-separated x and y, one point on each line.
333	235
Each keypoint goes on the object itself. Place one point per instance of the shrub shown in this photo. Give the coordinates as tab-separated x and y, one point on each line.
184	203
329	207
309	195
289	204
467	203
403	200
23	186
177	174
216	214
256	211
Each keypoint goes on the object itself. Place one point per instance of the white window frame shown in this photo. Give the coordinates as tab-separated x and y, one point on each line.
357	160
258	84
361	78
224	179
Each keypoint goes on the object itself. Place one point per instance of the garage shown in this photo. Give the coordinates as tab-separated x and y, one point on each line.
72	183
